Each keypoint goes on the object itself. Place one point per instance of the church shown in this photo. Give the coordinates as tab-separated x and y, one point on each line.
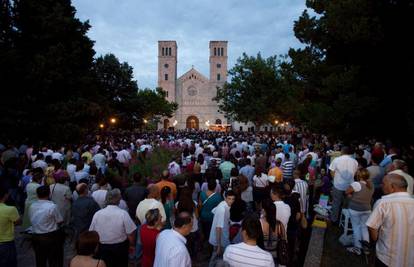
193	91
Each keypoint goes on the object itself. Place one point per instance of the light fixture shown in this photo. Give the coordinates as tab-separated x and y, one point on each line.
207	123
113	120
175	122
101	125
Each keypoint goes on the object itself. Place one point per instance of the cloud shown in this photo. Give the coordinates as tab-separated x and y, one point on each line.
130	29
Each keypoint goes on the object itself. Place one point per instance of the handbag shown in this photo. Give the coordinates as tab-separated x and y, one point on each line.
282	246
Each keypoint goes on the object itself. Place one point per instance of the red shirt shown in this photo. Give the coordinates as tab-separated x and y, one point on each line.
148	240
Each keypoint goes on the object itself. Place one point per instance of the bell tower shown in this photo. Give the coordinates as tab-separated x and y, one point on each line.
167	67
218	62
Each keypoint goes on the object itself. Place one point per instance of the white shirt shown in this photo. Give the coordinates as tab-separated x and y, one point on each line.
100	196
44	216
71	169
123	156
282	213
147	204
261	181
302	188
345	168
407	177
39	164
80	175
112	224
174	169
99	160
57	155
221	219
170	250
244	255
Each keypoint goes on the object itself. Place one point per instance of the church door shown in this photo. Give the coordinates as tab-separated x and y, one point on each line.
166	124
192	122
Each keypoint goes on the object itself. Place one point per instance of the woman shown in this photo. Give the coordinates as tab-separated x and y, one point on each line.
168	202
268	222
31	195
260	185
148	233
360	193
246	192
86	248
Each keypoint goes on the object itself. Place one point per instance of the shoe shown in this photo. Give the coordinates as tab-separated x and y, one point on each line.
354	250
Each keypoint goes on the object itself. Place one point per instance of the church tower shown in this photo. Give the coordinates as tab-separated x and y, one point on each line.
218	62
167	67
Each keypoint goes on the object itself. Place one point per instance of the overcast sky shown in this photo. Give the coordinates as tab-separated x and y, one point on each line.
130	29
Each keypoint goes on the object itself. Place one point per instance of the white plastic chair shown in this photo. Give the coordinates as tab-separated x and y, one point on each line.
345	221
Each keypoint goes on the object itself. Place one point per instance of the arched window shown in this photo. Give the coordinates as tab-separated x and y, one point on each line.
169	51
163	51
218	77
215	51
218	121
222	51
166	77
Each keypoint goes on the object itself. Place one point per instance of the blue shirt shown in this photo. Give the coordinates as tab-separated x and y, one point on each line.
248	171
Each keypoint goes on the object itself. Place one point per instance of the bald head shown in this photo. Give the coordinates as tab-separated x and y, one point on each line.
393	183
153	191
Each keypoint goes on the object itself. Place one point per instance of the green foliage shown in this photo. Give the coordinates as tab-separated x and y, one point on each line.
352	78
52	88
253	91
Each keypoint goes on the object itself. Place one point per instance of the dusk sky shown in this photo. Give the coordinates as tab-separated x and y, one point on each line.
130	29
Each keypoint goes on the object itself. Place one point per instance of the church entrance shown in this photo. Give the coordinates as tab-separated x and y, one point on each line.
192	122
166	124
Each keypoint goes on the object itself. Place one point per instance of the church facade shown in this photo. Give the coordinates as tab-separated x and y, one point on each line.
192	91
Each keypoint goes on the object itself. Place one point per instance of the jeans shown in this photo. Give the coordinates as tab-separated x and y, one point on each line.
360	230
8	254
337	199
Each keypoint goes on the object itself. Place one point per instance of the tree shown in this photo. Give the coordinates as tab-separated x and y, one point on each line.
352	76
251	95
47	84
122	98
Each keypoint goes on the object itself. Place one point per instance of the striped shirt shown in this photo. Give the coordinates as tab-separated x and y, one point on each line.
393	216
302	188
243	255
287	169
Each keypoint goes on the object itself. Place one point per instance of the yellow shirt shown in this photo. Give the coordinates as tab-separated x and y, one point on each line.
277	173
8	215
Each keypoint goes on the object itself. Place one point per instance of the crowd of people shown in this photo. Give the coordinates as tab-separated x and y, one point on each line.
229	199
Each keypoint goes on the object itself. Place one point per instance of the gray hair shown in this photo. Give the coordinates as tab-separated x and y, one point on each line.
397	180
113	197
399	164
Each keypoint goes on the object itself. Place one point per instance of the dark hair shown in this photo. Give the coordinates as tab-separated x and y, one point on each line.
278	190
183	218
237	210
230	193
87	243
211	184
185	204
165	191
43	191
3	191
287	156
234	172
251	225
270	209
200	159
137	177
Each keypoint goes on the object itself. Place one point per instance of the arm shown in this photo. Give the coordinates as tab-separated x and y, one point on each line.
218	239
349	191
373	233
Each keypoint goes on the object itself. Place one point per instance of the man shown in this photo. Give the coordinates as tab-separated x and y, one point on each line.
343	169
170	249
116	231
387	161
83	209
47	238
100	160
282	210
400	167
135	194
247	253
287	167
151	202
276	171
390	224
164	182
248	171
173	167
9	217
226	168
219	233
301	187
